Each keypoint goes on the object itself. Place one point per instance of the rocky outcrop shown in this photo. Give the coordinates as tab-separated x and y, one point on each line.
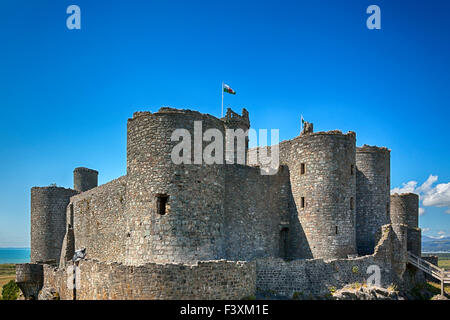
48	294
366	293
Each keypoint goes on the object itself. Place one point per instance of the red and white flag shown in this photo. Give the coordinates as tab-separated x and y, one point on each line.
226	88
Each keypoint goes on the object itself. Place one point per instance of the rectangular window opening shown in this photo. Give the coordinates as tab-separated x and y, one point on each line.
161	203
302	168
352	169
303	202
351	203
336	230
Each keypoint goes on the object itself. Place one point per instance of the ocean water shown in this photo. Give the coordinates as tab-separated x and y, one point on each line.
14	255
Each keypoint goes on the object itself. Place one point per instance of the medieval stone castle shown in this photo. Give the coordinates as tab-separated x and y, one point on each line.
188	231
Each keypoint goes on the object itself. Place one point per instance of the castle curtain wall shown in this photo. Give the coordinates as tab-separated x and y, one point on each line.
207	280
256	210
311	278
99	225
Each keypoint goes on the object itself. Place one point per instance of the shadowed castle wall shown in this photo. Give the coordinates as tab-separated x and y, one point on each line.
48	221
324	193
30	278
256	213
317	277
372	195
323	187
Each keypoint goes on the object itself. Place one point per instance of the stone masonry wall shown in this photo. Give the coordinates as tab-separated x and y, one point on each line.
256	212
192	227
372	195
58	280
414	242
405	210
98	218
84	179
206	280
231	280
48	221
315	277
234	121
318	277
29	278
324	193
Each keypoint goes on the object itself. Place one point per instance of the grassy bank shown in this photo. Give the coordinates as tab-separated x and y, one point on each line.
7	273
444	264
435	288
444	260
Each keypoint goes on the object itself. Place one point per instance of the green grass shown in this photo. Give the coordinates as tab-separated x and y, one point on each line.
7	269
7	273
435	288
444	263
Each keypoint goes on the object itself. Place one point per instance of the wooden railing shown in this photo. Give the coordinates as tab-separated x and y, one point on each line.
429	268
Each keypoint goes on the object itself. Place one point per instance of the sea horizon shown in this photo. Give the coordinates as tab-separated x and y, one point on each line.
14	255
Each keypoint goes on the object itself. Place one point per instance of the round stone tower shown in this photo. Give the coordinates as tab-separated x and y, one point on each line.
174	210
84	179
405	210
48	222
324	191
372	195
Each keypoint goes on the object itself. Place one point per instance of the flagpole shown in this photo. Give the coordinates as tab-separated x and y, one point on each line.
222	100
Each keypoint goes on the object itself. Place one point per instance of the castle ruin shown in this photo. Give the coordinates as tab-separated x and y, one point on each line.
221	231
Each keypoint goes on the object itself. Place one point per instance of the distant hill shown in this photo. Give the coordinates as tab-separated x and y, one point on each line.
430	244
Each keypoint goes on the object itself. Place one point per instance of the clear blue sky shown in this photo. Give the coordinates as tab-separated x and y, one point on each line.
65	95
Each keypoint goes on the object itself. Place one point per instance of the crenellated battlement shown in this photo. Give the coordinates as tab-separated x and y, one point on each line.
367	148
234	120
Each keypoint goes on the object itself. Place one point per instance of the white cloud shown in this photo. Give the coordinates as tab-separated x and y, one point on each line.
407	187
436	237
438	196
426	186
424	230
431	196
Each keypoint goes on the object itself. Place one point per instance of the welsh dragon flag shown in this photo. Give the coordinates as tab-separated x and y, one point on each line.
226	88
